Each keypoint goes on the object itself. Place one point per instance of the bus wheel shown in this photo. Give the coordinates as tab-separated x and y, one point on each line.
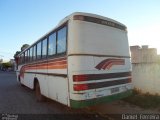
39	96
20	82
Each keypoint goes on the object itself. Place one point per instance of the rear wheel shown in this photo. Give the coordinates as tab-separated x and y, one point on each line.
20	81
39	96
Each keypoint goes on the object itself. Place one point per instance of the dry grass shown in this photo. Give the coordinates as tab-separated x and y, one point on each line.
144	100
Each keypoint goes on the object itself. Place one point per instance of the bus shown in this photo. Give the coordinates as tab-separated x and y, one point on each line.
83	61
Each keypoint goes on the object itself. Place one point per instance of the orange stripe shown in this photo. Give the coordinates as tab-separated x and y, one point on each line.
45	64
42	64
39	66
58	67
59	63
56	63
54	60
48	67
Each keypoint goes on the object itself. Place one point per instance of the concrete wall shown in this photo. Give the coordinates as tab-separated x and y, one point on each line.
146	76
143	54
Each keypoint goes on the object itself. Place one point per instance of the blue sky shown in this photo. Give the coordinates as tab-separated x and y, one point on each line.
24	21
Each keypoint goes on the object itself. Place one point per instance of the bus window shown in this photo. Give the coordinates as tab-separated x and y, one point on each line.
52	44
23	55
20	61
61	41
39	50
26	53
44	48
34	52
30	54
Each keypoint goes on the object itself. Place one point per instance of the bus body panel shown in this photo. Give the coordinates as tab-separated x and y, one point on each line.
26	78
80	66
92	38
98	50
56	92
49	82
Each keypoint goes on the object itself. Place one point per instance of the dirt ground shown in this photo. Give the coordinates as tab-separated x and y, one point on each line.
122	107
15	99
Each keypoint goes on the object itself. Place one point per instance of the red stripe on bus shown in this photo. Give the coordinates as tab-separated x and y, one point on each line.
108	63
47	67
96	85
90	77
52	64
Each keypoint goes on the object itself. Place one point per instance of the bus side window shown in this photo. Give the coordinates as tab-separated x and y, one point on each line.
30	54
44	48
25	56
39	46
34	52
61	40
20	59
52	45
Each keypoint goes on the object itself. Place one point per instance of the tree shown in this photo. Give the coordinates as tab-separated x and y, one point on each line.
15	55
24	47
6	65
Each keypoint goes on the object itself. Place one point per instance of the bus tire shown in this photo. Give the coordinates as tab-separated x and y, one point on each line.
20	81
39	96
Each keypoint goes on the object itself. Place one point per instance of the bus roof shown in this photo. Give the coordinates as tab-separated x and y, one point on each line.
90	15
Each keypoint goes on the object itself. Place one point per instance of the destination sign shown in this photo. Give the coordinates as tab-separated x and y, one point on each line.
99	21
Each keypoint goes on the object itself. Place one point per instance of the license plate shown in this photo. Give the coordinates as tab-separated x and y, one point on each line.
114	90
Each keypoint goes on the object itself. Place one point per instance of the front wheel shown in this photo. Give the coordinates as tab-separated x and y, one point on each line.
39	96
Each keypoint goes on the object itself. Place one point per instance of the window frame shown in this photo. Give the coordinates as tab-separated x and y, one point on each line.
31	54
28	53
56	31
40	56
65	40
25	56
45	38
52	33
34	52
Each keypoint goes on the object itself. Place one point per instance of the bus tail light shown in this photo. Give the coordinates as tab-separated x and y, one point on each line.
78	78
129	80
79	87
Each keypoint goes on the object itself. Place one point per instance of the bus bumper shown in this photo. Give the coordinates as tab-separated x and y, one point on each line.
105	99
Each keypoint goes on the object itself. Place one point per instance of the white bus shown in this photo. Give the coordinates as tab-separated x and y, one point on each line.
82	62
